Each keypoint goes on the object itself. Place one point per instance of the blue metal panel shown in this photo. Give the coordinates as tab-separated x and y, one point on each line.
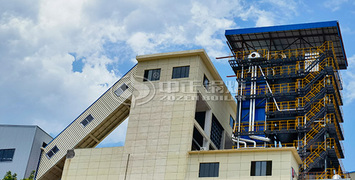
260	114
282	28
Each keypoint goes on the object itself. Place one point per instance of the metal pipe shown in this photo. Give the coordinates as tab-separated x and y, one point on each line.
240	106
251	100
248	140
268	86
240	142
255	75
265	139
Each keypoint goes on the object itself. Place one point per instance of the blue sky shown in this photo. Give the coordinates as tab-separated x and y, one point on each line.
58	56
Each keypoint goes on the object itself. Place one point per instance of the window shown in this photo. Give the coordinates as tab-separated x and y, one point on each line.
121	89
6	154
53	151
231	121
209	170
181	72
206	82
151	75
216	132
261	168
87	120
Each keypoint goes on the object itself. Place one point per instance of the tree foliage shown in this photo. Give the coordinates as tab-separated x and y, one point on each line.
10	176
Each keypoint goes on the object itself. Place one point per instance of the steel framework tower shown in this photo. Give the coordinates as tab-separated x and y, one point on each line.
289	92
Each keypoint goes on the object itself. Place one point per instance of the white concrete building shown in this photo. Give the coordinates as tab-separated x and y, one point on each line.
20	148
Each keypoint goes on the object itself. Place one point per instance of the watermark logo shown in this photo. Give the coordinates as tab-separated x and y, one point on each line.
143	90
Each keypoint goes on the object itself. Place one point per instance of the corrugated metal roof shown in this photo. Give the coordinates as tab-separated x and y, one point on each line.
293	36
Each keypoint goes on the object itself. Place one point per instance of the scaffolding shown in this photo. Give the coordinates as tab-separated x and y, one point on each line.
291	98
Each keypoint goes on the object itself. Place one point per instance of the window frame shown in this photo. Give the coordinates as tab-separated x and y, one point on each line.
231	121
146	75
180	74
53	151
7	159
208	82
216	134
261	168
210	172
87	120
120	90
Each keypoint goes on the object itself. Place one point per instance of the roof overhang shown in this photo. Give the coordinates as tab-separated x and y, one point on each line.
275	38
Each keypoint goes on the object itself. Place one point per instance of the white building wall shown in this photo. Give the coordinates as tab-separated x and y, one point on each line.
27	141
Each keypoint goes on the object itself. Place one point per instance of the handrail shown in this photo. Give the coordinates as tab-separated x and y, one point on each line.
300	52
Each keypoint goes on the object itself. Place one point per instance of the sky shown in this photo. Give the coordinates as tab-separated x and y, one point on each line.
57	57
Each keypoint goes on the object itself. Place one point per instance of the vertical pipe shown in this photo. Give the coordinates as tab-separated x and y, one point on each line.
251	100
240	105
254	93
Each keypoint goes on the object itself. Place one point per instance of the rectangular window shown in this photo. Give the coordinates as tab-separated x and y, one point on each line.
231	121
206	82
209	170
216	132
151	75
87	120
6	154
53	151
181	72
121	89
261	168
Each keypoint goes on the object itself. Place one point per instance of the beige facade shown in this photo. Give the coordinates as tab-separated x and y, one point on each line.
236	163
114	163
170	120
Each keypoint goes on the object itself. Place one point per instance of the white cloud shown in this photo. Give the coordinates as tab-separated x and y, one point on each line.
37	84
334	5
348	80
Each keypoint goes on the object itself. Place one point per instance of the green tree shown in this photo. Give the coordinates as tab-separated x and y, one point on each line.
10	176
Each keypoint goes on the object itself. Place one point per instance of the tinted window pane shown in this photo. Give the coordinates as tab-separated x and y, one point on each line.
121	89
89	118
152	75
216	132
50	154
261	168
181	72
55	149
206	82
52	151
84	122
231	122
6	154
209	170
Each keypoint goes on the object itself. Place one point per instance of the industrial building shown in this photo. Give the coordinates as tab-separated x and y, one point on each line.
283	123
20	148
290	91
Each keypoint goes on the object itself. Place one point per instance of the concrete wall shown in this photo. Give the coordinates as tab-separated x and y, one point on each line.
160	127
236	164
27	141
116	163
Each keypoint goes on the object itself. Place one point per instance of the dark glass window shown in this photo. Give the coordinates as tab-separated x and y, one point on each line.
181	72
231	122
53	151
216	132
121	89
87	120
151	75
209	170
6	154
261	168
206	82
